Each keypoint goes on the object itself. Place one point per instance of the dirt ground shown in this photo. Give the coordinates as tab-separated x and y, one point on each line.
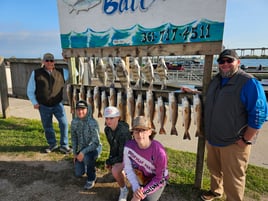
38	178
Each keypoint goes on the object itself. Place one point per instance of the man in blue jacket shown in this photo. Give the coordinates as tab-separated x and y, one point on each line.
235	109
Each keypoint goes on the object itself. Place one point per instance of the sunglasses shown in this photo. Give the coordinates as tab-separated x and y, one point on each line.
229	61
49	60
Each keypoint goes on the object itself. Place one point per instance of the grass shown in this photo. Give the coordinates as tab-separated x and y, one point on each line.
24	136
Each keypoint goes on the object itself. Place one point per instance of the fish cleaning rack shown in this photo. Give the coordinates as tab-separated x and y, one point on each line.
208	49
134	102
85	88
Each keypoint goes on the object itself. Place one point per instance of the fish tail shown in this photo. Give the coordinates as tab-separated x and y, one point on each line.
198	133
99	115
93	108
173	131
152	125
187	135
112	85
162	131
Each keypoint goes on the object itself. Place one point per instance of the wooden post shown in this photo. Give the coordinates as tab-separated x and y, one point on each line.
4	89
128	115
72	80
201	140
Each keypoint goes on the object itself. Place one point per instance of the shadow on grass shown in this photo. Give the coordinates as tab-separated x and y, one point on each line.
40	149
185	191
21	124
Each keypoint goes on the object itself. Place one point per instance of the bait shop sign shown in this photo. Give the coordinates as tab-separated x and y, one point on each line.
109	23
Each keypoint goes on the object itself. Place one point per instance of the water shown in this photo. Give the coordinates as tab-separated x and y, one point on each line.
249	62
254	62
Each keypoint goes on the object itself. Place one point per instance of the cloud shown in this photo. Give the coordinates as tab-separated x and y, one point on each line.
26	44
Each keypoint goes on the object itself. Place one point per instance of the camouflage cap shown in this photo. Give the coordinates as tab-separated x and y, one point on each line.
48	56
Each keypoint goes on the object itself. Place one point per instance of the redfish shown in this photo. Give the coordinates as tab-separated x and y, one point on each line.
173	112
186	117
161	114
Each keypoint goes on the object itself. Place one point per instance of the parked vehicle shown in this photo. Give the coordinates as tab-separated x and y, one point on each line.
175	66
243	67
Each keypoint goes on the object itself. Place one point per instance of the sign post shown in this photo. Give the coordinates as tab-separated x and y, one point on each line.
142	28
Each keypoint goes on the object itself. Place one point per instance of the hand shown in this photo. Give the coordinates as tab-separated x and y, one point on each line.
36	106
80	157
109	167
189	90
138	195
135	199
241	143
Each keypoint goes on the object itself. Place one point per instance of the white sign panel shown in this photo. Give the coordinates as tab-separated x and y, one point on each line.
108	23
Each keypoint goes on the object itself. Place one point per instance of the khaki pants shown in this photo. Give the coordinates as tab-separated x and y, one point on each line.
227	166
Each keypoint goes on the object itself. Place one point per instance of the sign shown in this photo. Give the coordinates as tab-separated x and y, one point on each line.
109	23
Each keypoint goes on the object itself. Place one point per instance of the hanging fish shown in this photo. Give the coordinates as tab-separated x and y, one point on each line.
122	74
91	68
161	114
197	113
90	100
84	71
161	70
150	107
101	71
112	97
130	106
69	96
110	71
82	92
148	73
139	108
97	100
173	112
136	72
186	117
75	98
73	70
81	69
120	105
88	74
104	101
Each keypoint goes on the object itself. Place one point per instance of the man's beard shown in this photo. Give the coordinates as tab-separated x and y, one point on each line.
229	73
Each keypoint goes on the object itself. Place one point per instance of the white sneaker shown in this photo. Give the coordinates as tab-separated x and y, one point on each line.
123	194
89	185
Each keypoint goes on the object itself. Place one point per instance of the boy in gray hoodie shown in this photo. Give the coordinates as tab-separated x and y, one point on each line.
86	143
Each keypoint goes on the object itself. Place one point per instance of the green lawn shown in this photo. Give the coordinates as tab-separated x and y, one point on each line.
24	136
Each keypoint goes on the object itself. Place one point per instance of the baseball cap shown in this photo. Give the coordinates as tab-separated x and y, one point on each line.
228	53
140	122
48	56
81	104
111	111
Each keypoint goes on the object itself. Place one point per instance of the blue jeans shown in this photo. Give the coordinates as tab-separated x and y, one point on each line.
87	166
46	114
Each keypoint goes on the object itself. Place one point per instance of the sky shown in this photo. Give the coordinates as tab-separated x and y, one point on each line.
30	28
